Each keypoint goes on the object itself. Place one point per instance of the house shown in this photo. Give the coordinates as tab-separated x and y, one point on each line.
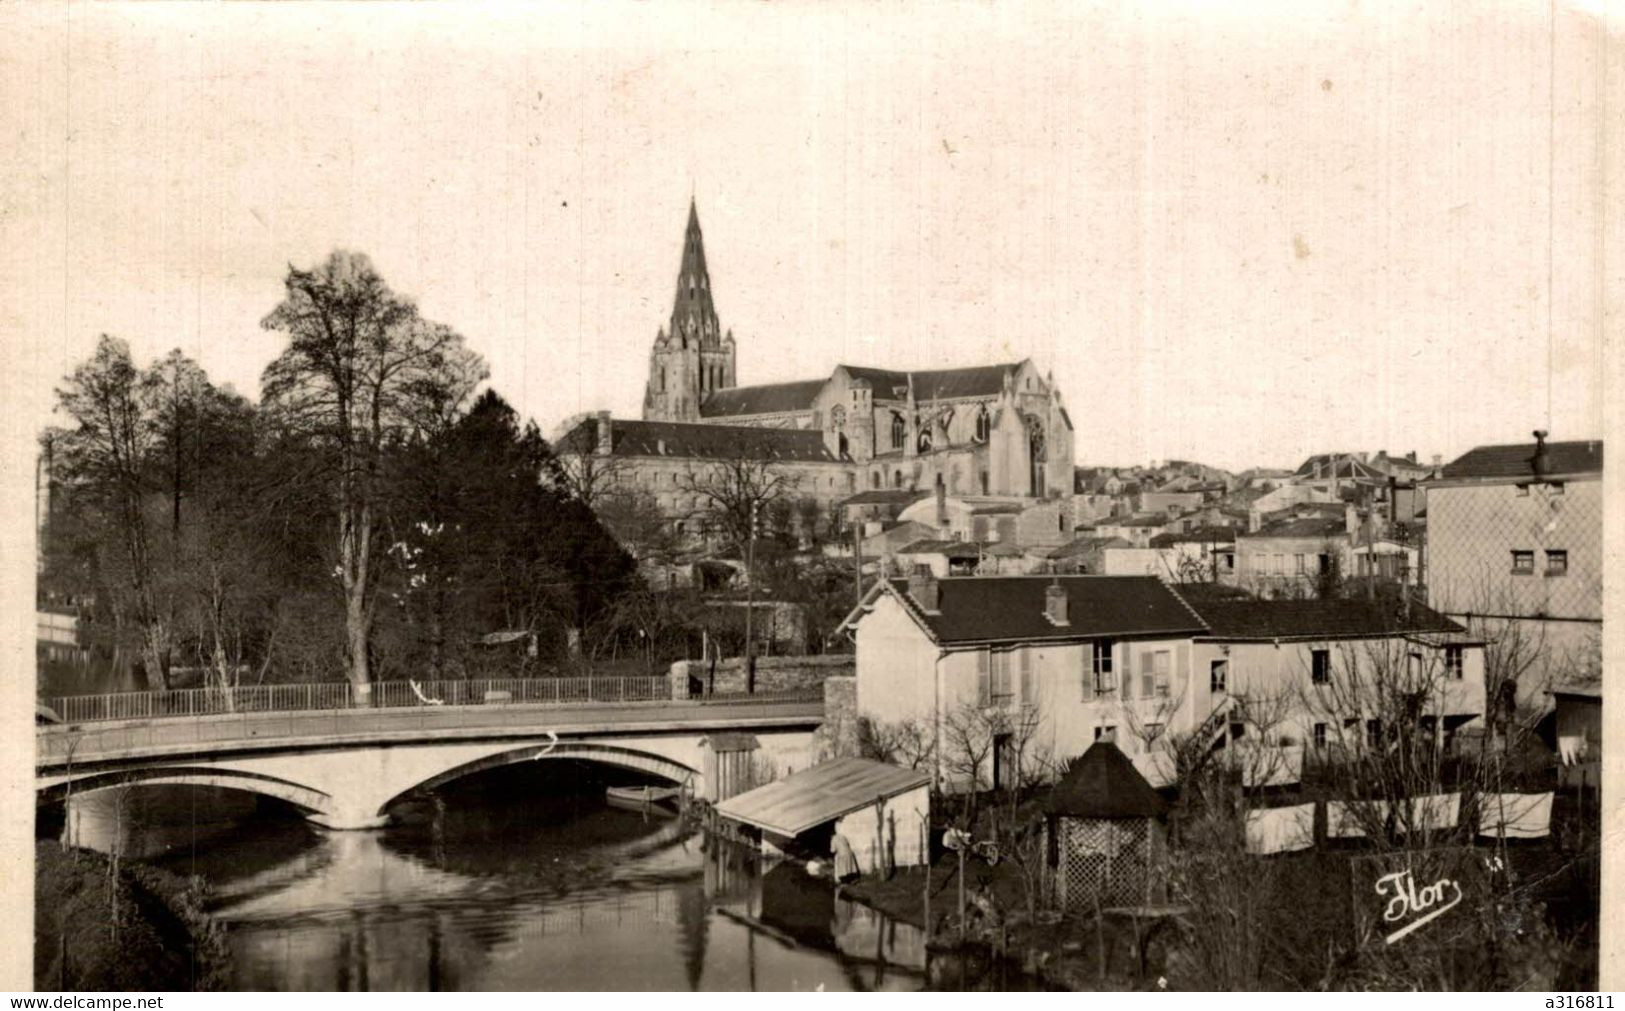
872	509
1303	670
1090	656
886	542
1294	556
1515	552
1271	504
981	518
1082	555
1137	530
943	558
1075	659
1206	555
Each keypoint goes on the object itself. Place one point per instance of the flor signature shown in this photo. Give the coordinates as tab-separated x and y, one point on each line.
1405	899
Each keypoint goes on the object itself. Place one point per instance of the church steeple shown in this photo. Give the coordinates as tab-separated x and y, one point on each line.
693	314
695	356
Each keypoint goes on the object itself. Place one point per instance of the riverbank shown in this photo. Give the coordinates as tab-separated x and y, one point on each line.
1068	955
130	928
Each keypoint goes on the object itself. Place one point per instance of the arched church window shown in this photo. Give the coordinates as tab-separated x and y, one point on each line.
984	423
897	479
662	379
899	431
837	418
923	440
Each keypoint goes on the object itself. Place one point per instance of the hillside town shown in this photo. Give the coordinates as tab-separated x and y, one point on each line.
1051	715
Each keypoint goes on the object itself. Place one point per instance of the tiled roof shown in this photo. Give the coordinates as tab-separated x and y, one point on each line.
1311	526
951	549
771	398
1083	545
1103	783
1200	535
717	442
1315	619
1011	608
884	496
1512	461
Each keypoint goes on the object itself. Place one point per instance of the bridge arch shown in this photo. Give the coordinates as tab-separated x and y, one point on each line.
307	799
604	754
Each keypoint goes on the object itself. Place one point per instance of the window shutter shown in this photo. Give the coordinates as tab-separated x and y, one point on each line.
984	687
1127	679
1086	664
1028	695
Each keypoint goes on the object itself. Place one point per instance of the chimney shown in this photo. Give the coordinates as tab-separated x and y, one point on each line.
1541	462
922	586
604	445
1055	606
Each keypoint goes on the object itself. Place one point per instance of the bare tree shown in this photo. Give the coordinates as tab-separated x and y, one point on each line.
592	477
738	489
361	369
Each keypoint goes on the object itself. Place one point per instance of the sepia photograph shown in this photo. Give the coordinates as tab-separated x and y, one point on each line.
806	496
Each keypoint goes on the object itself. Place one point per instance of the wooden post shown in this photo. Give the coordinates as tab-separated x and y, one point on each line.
925	836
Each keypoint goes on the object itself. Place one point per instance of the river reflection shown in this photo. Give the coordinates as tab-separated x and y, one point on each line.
479	891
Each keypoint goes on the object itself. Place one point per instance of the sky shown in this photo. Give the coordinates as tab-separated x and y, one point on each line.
1239	239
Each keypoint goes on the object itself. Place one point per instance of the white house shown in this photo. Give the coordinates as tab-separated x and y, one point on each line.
1080	658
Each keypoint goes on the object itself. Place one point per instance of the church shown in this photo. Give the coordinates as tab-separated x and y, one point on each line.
988	431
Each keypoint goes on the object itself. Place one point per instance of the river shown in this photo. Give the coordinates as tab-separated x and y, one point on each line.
521	878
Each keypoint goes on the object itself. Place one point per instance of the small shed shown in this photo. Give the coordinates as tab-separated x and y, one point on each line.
1105	832
882	811
728	764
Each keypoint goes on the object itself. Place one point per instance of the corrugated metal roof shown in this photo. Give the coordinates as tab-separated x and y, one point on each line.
809	798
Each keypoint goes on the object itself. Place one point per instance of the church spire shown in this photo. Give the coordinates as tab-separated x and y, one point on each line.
693	314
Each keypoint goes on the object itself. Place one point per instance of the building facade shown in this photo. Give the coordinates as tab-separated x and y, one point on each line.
1514	549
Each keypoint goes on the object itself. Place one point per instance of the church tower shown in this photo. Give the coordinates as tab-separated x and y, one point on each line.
693	355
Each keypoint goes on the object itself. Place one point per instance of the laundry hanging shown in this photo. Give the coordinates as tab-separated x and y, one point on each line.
1516	815
1281	829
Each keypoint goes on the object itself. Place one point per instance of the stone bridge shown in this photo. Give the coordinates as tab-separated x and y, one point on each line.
344	768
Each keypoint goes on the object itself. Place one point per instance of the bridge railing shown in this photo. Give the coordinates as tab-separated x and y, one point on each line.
324	696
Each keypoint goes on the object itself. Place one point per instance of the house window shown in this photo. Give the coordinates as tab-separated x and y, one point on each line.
1106	733
1218	675
1320	666
1101	666
1454	662
1523	563
1301	565
1002	690
1414	666
1320	735
1152	732
1557	563
1161	667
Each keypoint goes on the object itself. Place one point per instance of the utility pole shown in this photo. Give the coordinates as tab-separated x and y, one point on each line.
857	562
750	592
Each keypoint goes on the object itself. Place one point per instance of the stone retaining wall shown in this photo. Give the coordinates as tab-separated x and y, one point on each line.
690	678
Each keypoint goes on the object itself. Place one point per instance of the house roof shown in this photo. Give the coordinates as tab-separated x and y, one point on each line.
682	439
1011	608
949	549
1103	783
1084	545
884	496
1307	526
769	398
1200	535
1334	465
1513	461
812	797
1315	619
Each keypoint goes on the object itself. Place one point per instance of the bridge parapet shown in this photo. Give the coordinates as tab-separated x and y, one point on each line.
341	695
